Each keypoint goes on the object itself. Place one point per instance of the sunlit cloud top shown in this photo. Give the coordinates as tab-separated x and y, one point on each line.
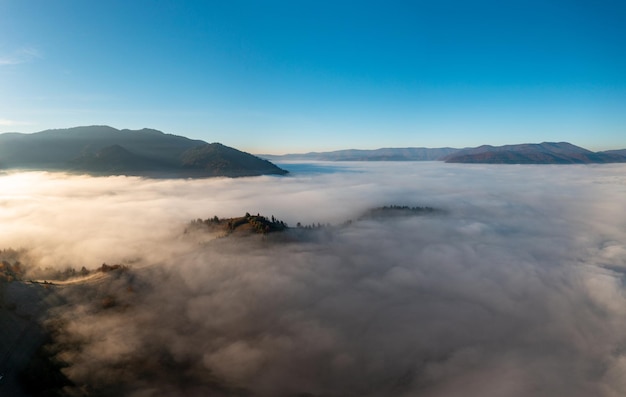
520	277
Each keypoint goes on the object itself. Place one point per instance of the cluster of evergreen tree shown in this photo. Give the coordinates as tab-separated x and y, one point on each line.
264	225
10	271
398	211
313	225
259	223
11	267
404	208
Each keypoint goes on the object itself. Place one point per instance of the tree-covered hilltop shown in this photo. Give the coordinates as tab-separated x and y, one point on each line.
251	224
395	211
259	224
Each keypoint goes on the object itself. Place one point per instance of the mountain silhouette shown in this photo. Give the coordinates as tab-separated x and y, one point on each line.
533	153
105	150
383	154
529	153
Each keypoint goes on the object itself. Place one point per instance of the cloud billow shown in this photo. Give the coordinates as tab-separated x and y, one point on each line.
516	290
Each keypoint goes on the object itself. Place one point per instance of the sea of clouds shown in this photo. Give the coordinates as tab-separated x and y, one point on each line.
517	289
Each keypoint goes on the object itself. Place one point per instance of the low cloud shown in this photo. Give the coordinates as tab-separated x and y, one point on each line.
516	290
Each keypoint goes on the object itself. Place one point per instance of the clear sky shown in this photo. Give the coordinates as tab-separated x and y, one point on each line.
294	76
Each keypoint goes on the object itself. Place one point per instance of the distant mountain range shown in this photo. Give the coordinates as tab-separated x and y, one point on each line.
386	154
539	153
536	153
104	150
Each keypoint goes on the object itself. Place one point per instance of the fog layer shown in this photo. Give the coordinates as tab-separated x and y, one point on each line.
516	290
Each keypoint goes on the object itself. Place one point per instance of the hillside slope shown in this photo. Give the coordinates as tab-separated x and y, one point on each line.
217	159
105	150
537	153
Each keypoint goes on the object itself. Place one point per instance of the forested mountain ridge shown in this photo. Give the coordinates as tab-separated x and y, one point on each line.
527	153
105	150
534	153
384	154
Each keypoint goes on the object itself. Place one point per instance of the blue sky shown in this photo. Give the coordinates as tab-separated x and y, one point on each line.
294	76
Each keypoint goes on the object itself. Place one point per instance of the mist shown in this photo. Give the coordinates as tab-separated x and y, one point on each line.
516	288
